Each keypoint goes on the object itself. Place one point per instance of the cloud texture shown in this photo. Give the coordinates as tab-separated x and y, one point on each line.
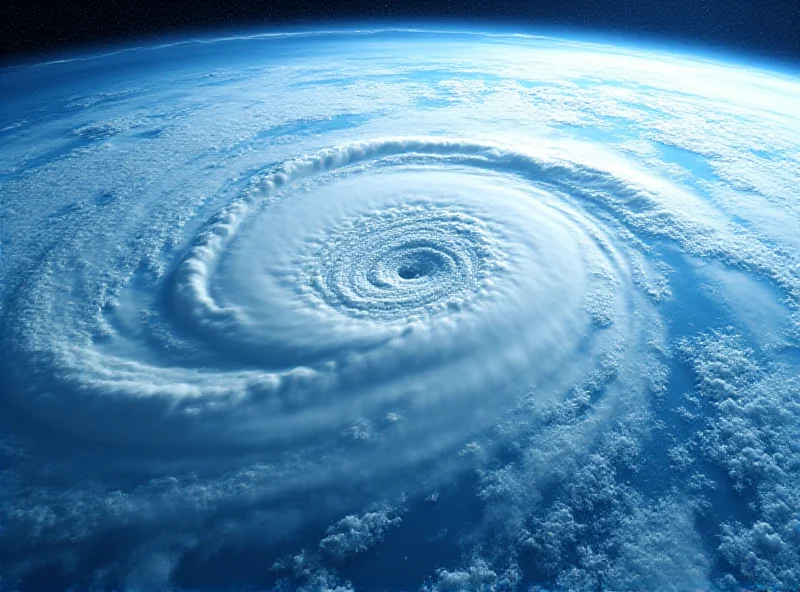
478	314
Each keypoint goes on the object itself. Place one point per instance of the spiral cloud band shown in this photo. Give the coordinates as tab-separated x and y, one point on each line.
409	276
482	314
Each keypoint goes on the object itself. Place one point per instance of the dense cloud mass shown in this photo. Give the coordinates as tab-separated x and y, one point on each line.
399	310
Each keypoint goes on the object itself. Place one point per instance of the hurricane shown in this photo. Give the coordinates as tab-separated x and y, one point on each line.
399	309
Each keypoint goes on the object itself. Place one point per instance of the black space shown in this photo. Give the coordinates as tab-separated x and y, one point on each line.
769	28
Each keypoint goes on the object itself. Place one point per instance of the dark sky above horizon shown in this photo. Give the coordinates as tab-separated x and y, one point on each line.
767	28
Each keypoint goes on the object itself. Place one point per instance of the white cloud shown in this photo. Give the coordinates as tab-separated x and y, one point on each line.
245	298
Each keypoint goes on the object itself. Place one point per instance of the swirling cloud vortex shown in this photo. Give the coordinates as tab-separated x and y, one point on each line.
432	279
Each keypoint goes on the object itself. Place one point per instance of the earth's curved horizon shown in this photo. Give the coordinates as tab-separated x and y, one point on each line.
620	40
395	308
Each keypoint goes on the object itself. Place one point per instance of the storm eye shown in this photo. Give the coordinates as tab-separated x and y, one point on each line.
410	272
418	266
